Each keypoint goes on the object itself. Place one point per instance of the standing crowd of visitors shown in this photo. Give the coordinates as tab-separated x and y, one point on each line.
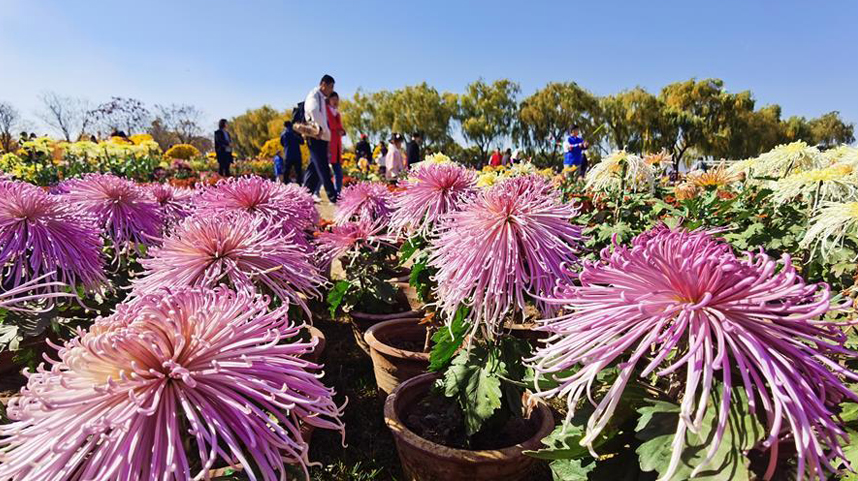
317	121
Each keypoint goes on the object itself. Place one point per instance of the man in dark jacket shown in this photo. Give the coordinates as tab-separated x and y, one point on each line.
362	149
413	152
292	158
223	148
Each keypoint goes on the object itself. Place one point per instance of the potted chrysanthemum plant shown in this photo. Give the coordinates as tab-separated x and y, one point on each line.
171	386
678	356
365	292
500	253
51	254
400	348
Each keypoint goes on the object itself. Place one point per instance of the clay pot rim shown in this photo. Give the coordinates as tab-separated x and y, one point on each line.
389	350
391	419
385	317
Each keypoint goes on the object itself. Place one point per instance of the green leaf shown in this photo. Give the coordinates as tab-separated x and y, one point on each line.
409	247
571	469
850	452
335	296
657	425
474	377
447	340
562	445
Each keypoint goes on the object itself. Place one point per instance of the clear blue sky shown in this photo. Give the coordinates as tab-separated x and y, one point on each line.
226	57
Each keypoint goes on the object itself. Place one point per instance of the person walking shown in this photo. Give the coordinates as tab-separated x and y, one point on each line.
292	158
335	124
413	149
393	162
575	147
363	149
316	112
223	148
506	160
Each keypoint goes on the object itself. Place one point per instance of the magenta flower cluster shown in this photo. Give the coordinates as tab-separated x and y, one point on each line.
289	206
126	212
512	242
428	194
364	201
209	363
679	303
243	251
43	235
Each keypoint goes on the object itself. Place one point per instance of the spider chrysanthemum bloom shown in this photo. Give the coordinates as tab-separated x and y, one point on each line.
43	234
288	206
838	182
682	304
431	191
347	237
620	169
513	240
164	388
831	225
241	250
787	159
685	191
720	177
364	201
175	203
126	212
659	159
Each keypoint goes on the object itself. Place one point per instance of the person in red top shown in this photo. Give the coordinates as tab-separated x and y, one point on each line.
496	159
335	123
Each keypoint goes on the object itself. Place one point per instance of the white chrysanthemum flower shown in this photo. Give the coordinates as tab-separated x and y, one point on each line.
834	222
607	174
838	182
844	154
788	158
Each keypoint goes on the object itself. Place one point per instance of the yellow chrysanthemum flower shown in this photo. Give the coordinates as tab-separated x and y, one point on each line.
719	177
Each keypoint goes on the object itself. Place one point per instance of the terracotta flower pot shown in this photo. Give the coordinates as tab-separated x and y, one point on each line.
423	460
409	291
361	322
393	365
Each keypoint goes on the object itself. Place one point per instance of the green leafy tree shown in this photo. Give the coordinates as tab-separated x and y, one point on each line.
420	108
253	128
636	121
829	130
361	115
487	112
546	116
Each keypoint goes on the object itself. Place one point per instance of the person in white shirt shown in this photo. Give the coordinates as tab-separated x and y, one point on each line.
393	162
315	110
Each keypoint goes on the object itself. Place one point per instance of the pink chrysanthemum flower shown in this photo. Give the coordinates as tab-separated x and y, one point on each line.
344	238
164	388
289	206
239	249
683	301
512	240
364	201
127	212
430	192
42	234
175	203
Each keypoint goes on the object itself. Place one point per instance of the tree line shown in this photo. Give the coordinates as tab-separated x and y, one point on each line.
693	117
74	118
689	119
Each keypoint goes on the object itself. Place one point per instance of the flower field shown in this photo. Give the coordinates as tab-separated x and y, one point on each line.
505	323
